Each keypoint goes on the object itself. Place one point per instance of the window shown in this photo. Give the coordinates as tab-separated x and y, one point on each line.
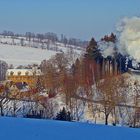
19	73
34	73
11	73
26	73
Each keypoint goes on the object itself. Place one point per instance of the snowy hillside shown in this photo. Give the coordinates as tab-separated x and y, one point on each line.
18	55
15	52
27	129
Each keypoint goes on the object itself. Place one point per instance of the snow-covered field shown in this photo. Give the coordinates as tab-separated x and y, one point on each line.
31	129
18	55
30	53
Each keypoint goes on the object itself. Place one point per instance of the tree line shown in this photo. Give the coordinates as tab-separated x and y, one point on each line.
49	36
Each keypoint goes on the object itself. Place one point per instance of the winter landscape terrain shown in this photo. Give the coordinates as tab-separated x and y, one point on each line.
99	84
69	70
27	129
15	52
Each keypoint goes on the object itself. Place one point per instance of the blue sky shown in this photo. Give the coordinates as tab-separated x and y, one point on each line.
74	18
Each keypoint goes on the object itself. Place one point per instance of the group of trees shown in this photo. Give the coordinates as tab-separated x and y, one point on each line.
53	37
92	81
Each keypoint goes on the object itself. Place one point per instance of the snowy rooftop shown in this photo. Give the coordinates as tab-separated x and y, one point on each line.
31	129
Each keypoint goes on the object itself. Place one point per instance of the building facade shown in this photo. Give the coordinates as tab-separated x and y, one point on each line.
28	76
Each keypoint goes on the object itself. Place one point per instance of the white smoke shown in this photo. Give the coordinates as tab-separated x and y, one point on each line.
129	29
106	48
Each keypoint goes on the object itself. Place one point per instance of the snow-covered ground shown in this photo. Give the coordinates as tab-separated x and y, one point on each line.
31	129
18	55
14	53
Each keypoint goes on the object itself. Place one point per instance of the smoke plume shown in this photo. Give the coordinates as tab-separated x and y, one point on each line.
129	38
106	48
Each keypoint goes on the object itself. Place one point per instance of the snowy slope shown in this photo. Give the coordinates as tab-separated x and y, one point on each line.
14	53
27	129
18	55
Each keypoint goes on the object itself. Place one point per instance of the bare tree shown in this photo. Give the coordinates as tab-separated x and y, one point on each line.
110	95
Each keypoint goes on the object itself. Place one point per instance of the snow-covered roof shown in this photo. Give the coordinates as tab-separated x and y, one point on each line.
23	72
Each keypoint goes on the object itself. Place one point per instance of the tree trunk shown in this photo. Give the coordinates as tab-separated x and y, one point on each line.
106	119
1	108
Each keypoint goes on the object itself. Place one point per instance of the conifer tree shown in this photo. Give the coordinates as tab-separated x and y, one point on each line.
63	115
93	50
